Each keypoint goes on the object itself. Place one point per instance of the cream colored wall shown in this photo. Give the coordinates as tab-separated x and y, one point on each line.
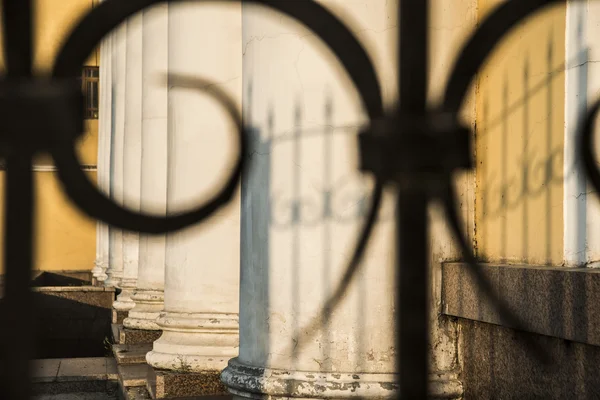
65	239
54	20
520	128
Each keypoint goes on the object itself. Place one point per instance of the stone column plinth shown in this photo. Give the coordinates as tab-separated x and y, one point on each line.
104	139
149	293
132	158
119	62
303	202
200	319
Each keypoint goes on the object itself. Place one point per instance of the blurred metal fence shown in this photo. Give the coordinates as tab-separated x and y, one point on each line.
417	147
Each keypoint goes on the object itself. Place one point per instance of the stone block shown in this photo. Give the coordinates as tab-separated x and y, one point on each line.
552	301
497	363
138	336
132	375
163	384
131	353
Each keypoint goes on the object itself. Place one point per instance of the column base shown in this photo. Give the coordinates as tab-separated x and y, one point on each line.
97	270
124	301
252	382
102	277
112	280
162	384
148	306
195	342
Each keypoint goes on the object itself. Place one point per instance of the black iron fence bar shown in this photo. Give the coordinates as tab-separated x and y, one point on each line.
19	337
412	309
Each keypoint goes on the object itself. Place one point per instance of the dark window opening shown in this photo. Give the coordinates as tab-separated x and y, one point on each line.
89	86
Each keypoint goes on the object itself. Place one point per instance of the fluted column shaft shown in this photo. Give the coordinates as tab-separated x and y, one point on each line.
200	321
132	153
119	63
103	163
149	292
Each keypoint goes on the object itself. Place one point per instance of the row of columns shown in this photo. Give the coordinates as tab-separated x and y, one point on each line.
234	293
161	162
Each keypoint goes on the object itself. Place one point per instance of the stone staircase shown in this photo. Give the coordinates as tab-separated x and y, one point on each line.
132	369
138	381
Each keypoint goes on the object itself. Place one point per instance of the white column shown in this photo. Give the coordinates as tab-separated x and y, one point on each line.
119	62
575	207
132	157
302	205
103	162
582	83
200	322
149	293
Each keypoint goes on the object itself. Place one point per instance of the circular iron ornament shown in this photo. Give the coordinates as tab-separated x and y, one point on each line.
85	194
586	146
89	32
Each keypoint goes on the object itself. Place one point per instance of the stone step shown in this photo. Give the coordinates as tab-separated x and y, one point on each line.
59	377
131	353
132	375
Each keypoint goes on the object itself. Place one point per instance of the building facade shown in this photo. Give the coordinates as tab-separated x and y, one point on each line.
234	301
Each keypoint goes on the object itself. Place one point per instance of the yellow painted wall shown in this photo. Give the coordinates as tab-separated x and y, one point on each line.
519	145
65	239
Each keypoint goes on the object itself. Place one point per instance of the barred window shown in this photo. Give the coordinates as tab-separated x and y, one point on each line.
89	86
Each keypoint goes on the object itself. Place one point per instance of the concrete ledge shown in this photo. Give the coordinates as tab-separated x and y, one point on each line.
554	301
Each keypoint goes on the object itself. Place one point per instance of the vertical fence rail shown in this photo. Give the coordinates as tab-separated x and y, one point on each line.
412	233
19	337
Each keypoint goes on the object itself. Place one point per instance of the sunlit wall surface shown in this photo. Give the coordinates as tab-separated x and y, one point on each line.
519	145
65	238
